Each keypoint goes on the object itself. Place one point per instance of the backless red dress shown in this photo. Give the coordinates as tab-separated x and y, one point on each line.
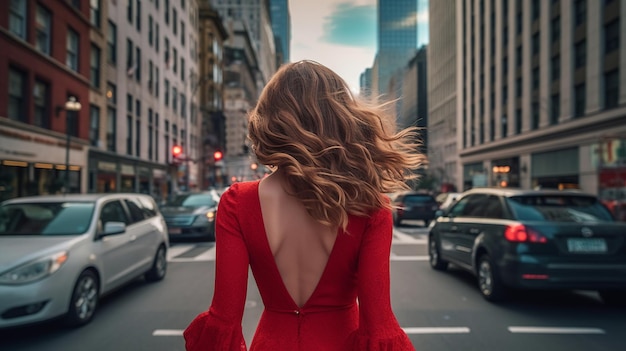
350	308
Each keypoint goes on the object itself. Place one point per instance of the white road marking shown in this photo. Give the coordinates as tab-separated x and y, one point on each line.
394	257
168	332
441	330
400	238
176	250
555	330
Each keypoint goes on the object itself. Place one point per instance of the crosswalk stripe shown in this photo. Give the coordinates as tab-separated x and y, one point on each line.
168	332
176	250
439	330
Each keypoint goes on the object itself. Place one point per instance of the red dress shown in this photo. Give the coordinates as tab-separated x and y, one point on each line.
330	320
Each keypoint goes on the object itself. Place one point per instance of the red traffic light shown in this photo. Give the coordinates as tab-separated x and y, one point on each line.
177	150
218	155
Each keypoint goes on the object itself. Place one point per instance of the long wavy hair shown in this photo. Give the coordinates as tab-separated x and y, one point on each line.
339	154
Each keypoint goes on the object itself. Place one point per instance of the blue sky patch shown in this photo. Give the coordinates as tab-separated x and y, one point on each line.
351	25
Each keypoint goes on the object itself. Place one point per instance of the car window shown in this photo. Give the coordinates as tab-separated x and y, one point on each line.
193	200
113	212
136	212
46	218
459	208
492	207
418	199
148	207
557	208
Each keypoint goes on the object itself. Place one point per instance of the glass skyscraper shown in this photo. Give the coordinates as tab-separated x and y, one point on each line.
398	22
281	26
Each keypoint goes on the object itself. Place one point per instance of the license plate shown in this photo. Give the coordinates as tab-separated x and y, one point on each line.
595	245
174	230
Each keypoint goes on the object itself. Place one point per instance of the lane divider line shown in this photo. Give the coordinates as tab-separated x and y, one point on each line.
440	330
394	257
555	330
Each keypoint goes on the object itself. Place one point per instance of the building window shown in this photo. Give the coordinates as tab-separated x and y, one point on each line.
518	56
41	97
535	43
611	36
167	92
579	102
129	103
167	11
72	50
535	116
182	33
111	93
518	87
129	135
150	135
556	28
42	30
156	82
536	9
17	98
94	71
556	67
156	37
504	126
536	78
137	138
112	43
94	125
611	89
129	11
182	69
138	64
174	21
518	121
156	137
555	109
183	105
174	99
111	126
580	54
17	18
580	12
175	60
138	19
94	12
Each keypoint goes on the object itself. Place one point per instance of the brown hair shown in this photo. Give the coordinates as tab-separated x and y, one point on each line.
339	154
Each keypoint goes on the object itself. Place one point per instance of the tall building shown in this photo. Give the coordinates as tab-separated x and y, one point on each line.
442	105
365	83
541	94
281	26
45	60
255	14
397	40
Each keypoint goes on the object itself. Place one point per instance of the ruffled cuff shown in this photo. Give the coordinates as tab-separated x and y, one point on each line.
208	333
397	341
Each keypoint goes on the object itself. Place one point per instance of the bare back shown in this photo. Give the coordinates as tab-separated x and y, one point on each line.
300	245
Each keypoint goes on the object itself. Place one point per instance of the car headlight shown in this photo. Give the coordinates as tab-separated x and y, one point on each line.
205	218
34	271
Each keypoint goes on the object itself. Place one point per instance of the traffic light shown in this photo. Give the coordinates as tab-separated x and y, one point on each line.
218	155
177	151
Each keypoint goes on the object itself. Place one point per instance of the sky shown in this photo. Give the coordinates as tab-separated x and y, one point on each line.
340	34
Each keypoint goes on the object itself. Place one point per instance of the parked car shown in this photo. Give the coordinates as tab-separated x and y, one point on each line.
532	239
445	200
192	215
412	205
60	254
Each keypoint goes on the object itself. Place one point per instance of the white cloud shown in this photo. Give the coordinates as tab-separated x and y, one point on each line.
412	19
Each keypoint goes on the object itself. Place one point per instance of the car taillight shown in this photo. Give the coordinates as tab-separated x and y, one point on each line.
519	233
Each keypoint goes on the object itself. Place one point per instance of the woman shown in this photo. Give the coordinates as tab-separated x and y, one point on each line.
317	231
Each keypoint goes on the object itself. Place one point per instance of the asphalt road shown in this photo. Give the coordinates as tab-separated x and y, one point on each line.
439	310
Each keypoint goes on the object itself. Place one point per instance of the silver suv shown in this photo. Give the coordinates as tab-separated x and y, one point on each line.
60	254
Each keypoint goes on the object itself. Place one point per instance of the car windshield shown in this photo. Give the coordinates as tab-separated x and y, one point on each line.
46	218
556	208
418	199
193	200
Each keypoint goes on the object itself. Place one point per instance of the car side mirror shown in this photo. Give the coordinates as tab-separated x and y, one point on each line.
112	228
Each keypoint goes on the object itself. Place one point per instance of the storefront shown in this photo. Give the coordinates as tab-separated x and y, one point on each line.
505	173
474	175
33	163
558	169
110	172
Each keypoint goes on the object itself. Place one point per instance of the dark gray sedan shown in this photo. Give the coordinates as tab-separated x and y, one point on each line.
532	240
191	215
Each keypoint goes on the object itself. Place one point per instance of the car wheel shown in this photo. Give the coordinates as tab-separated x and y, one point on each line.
84	300
434	256
489	283
615	298
159	266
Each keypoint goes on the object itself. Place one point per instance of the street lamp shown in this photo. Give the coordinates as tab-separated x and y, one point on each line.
70	105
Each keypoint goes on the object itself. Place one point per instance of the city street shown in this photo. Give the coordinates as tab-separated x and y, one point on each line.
439	311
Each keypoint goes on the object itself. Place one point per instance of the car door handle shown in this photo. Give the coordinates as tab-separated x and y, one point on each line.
132	238
474	231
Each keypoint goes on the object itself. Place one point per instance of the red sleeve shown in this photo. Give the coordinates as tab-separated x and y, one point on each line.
219	328
378	328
